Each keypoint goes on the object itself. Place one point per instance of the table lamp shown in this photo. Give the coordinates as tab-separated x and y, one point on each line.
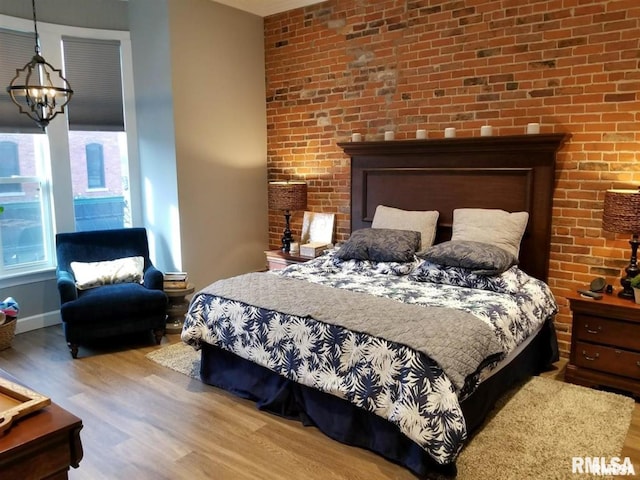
622	215
287	196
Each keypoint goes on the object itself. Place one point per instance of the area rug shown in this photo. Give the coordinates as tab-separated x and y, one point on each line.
533	433
179	357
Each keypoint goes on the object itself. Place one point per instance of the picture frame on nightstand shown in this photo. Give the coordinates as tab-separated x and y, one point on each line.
317	228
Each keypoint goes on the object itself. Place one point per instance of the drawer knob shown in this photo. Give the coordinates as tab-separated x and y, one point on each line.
591	359
590	330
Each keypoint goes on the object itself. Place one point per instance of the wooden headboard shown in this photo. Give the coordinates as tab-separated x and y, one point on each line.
513	173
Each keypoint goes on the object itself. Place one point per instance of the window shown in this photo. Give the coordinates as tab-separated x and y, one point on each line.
97	133
86	156
9	166
26	201
95	165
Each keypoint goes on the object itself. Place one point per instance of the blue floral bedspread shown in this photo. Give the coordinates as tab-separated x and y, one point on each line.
388	379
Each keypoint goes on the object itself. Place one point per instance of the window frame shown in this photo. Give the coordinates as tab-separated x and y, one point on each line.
59	185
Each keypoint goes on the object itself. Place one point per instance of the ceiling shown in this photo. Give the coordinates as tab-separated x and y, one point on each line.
267	7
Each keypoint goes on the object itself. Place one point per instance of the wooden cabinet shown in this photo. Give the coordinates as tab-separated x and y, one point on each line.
277	259
605	344
41	445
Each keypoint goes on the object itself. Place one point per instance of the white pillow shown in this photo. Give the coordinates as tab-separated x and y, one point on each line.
494	226
424	222
122	270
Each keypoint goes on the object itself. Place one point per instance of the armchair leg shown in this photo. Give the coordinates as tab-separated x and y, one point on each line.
74	349
158	333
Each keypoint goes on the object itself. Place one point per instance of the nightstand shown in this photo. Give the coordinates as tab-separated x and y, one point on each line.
605	343
277	259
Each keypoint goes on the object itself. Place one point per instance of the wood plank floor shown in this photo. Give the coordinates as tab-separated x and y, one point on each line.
143	421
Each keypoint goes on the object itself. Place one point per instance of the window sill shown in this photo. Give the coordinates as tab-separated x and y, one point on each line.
25	278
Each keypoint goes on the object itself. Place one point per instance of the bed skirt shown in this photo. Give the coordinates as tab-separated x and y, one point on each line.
352	425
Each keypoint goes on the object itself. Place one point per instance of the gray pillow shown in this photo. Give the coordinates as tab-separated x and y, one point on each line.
380	245
481	258
493	226
424	222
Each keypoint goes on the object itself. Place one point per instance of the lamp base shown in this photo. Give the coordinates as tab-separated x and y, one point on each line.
626	293
287	238
632	270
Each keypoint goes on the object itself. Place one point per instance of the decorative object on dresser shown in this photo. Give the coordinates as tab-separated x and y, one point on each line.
605	344
17	401
277	259
635	285
622	215
312	249
175	280
287	196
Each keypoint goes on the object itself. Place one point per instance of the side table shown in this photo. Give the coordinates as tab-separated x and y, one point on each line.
605	343
277	259
177	308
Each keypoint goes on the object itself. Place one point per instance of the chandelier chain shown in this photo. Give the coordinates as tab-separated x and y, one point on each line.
35	27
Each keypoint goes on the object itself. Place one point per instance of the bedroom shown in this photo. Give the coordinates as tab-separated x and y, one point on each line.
597	103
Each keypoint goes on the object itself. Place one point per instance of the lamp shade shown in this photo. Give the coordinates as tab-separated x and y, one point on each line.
621	211
288	195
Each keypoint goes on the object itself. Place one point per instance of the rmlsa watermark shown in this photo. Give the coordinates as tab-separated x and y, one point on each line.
602	466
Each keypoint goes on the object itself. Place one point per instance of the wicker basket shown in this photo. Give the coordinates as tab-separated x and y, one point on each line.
7	332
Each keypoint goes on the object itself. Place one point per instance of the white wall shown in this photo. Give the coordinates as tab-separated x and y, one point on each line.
149	30
217	59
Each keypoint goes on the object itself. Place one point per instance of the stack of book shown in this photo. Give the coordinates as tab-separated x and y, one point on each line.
175	280
312	249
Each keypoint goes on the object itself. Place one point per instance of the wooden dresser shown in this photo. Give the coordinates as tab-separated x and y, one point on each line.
605	343
41	445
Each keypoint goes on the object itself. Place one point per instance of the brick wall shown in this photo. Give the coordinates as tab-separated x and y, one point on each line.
113	173
346	66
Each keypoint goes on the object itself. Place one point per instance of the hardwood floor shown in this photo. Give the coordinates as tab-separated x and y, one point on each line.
143	421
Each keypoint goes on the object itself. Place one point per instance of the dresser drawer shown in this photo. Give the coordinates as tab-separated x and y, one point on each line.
607	359
610	332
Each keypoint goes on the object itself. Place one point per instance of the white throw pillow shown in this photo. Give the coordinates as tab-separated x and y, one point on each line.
494	226
94	274
424	222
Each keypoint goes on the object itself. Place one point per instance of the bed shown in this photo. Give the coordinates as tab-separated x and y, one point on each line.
396	341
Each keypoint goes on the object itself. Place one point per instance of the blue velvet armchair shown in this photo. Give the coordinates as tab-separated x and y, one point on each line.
111	309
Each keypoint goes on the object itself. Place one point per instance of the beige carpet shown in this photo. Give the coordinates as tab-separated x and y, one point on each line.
532	434
179	357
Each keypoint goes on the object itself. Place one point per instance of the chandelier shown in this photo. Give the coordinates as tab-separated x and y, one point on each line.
34	91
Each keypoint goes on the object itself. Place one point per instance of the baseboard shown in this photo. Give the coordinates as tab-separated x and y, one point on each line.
38	321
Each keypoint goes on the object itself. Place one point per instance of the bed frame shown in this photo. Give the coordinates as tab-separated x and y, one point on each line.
514	173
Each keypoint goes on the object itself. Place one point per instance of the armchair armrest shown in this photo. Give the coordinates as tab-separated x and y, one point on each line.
153	278
66	286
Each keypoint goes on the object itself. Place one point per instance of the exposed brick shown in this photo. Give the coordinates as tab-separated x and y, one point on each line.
347	65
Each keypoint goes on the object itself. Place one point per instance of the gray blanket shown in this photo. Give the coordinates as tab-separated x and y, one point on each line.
458	341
